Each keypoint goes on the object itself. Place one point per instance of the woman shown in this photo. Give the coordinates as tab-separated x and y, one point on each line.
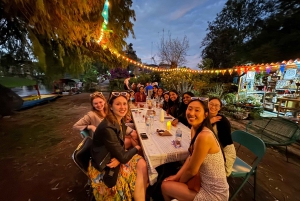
166	100
205	161
222	129
173	103
140	95
92	119
160	95
154	95
186	98
132	177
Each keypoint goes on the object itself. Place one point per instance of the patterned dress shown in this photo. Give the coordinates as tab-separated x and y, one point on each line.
124	188
214	184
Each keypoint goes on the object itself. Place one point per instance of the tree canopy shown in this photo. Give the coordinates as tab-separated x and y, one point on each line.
256	31
173	51
63	35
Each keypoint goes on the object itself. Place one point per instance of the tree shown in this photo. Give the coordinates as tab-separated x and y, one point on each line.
179	80
279	38
237	23
131	54
63	35
173	51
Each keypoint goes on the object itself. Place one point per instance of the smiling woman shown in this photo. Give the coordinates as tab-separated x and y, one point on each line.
126	171
92	119
205	161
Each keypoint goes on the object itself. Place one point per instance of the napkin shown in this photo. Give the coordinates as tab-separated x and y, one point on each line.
163	133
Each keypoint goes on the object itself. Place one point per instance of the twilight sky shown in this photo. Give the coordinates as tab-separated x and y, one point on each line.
181	18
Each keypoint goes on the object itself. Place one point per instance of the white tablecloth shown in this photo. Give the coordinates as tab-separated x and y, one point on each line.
158	149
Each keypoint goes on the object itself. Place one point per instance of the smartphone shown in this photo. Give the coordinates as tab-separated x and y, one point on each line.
144	136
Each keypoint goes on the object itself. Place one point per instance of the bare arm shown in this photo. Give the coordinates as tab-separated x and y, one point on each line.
83	123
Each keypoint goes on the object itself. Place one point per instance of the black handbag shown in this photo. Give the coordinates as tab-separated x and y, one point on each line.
111	176
101	158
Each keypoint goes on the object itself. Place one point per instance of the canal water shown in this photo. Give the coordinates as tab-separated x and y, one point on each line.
30	90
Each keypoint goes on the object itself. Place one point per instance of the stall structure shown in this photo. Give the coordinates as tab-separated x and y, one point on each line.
276	91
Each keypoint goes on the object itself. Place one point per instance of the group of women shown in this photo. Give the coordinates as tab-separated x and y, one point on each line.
212	152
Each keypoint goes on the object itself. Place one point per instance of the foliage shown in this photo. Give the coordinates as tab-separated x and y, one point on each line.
155	76
63	35
229	98
90	77
234	26
118	73
181	81
131	54
143	78
206	64
173	51
216	91
200	87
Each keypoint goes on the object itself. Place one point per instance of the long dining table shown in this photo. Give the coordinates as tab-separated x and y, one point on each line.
159	149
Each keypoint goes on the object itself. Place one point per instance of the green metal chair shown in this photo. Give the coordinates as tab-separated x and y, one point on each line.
241	168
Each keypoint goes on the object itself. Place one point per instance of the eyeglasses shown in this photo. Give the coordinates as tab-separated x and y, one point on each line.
116	93
214	105
98	93
199	98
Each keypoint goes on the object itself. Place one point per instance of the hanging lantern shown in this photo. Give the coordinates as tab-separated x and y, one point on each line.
230	71
223	71
217	71
246	70
268	69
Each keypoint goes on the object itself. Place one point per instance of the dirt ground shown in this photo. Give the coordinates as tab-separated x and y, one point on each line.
36	147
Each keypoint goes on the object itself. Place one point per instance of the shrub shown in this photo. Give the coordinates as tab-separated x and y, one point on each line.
118	73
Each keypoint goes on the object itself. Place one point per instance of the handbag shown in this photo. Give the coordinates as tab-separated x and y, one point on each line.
111	176
101	158
194	183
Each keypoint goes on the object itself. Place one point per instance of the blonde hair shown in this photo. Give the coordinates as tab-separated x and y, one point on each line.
95	95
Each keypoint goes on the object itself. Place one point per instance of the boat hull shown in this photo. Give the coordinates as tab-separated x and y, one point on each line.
35	100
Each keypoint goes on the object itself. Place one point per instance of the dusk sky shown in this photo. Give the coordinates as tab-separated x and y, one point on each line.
189	17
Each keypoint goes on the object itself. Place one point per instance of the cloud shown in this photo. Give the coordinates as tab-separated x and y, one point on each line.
155	18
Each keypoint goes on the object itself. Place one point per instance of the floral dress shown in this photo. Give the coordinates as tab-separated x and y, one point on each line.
124	188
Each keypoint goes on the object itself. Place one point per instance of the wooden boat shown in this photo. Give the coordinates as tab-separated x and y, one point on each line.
31	101
28	101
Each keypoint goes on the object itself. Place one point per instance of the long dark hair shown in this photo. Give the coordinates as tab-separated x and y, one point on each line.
110	115
183	106
205	123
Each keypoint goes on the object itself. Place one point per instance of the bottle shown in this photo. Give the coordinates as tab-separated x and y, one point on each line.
162	116
178	137
147	122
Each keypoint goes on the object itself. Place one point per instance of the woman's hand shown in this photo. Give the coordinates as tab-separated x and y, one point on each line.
174	122
113	163
138	147
172	178
92	128
215	119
